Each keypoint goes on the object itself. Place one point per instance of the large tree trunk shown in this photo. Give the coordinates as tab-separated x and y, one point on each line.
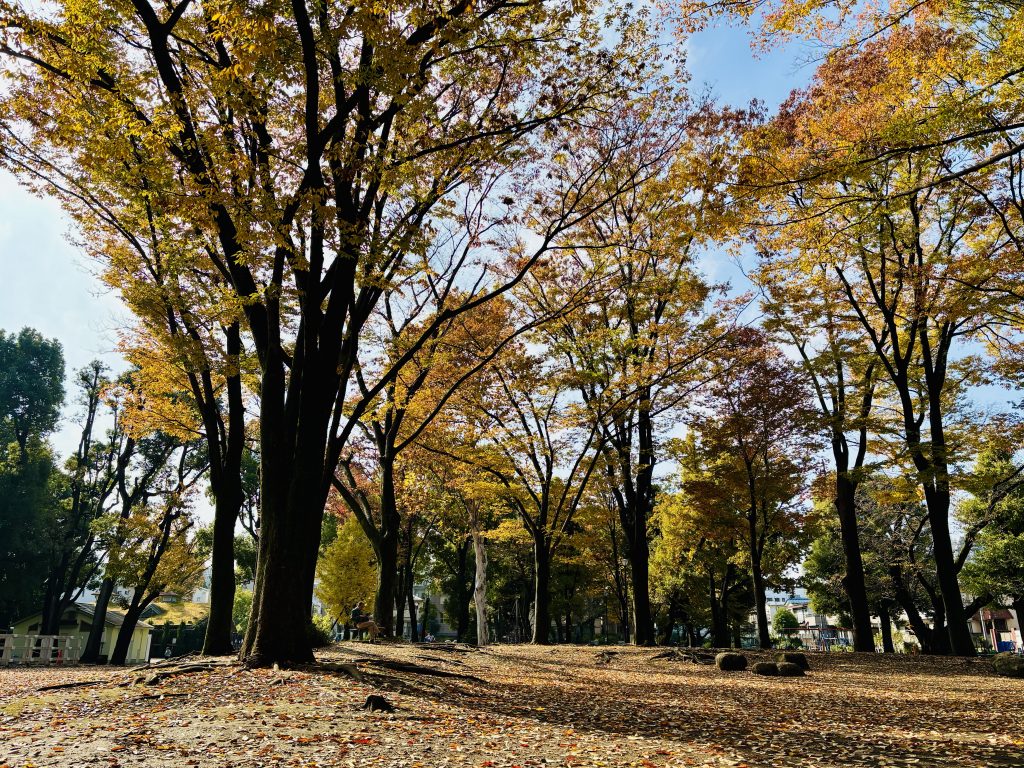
719	616
906	601
853	580
127	630
541	591
226	485
480	585
91	654
886	623
463	595
639	552
220	626
50	622
643	619
387	556
414	633
764	639
292	498
960	641
281	618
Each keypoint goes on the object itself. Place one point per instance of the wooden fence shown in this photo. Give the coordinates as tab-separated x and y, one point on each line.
40	649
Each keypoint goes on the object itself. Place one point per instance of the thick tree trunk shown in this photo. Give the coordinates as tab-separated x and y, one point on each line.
281	618
960	641
50	623
639	552
764	639
462	596
480	586
226	485
886	623
922	631
719	616
541	591
220	626
124	635
853	580
414	633
91	654
292	498
643	620
387	577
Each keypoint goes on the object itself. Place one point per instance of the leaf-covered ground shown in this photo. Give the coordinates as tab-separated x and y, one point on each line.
518	706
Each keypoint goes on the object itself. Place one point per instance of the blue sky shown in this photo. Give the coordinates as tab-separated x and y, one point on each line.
46	282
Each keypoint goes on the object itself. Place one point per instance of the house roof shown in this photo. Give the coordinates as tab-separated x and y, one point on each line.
114	618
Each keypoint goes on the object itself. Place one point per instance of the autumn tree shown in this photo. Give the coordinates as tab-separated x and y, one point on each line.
541	455
87	490
638	347
347	570
755	435
151	551
340	137
807	310
954	84
701	550
153	475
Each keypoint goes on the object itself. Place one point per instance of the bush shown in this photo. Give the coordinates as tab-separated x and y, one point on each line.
321	632
765	668
794	658
789	669
731	662
1008	664
788	643
241	609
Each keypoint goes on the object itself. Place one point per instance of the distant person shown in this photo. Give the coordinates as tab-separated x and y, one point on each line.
167	652
364	621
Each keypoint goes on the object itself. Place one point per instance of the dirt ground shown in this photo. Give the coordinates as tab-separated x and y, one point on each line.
518	706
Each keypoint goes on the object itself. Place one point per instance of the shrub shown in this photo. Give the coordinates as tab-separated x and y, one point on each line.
794	658
766	668
790	643
1008	664
789	669
321	633
731	662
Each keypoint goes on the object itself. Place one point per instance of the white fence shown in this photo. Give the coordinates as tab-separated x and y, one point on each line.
40	649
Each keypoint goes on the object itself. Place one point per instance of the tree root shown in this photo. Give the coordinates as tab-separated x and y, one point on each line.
81	684
694	657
